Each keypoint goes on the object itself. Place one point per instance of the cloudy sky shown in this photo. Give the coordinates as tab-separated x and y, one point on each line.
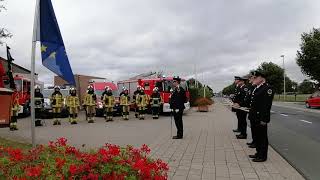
118	39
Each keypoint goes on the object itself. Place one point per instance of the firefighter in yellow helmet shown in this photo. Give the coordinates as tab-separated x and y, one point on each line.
56	103
142	103
108	102
124	103
90	103
155	102
73	105
15	108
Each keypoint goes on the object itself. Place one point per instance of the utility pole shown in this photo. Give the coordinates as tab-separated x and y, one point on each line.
284	79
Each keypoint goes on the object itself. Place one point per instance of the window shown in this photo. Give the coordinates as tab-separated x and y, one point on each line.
146	86
18	84
159	85
169	85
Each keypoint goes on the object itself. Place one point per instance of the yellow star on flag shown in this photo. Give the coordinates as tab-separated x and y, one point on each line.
53	55
43	48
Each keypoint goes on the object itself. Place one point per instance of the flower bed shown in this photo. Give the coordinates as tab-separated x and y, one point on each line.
59	160
203	104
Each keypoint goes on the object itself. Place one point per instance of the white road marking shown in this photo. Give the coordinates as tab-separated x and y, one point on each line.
284	115
272	111
306	121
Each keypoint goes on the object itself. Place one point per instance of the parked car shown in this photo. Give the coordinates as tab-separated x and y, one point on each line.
313	100
47	113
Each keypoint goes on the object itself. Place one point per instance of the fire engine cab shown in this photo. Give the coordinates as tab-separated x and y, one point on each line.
23	90
163	83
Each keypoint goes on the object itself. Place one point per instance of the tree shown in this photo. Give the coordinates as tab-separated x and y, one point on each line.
229	89
192	83
274	75
308	57
4	33
306	87
291	86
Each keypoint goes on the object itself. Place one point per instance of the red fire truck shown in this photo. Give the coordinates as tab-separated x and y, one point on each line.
23	89
163	83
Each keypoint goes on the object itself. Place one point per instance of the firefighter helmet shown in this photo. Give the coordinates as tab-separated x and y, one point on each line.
90	87
72	90
56	88
156	89
36	87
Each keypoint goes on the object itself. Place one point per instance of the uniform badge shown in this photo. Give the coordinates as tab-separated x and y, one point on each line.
270	91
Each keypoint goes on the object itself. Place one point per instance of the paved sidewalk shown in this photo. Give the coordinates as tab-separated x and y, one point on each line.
210	151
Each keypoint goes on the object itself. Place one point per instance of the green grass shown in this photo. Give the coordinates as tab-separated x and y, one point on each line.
291	98
14	144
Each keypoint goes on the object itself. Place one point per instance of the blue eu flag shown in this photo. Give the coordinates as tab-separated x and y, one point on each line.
53	52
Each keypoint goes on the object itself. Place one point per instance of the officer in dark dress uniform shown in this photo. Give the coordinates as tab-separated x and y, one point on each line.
177	100
261	103
248	97
236	81
239	101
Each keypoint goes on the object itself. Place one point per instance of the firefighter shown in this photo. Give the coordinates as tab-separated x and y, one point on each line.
73	105
155	102
56	103
142	103
90	104
108	102
135	93
38	105
124	103
15	108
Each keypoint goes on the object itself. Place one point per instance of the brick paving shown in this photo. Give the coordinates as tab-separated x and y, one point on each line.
210	151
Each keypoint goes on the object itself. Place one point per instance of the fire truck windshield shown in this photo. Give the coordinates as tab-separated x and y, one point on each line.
168	84
18	84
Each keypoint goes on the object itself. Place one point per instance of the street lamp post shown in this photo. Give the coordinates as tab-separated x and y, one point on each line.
284	79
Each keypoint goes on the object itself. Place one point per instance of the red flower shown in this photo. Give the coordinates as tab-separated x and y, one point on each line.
114	150
93	176
71	150
60	162
15	154
73	169
91	159
61	141
103	152
34	171
145	149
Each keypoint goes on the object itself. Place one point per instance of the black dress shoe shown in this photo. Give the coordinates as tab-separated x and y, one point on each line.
252	146
259	159
241	136
253	156
236	130
176	137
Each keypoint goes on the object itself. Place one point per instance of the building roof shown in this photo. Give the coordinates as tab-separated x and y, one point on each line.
18	66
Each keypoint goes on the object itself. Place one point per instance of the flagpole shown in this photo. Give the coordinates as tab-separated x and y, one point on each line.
33	54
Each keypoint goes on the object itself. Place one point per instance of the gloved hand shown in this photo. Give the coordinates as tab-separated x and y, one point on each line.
263	123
